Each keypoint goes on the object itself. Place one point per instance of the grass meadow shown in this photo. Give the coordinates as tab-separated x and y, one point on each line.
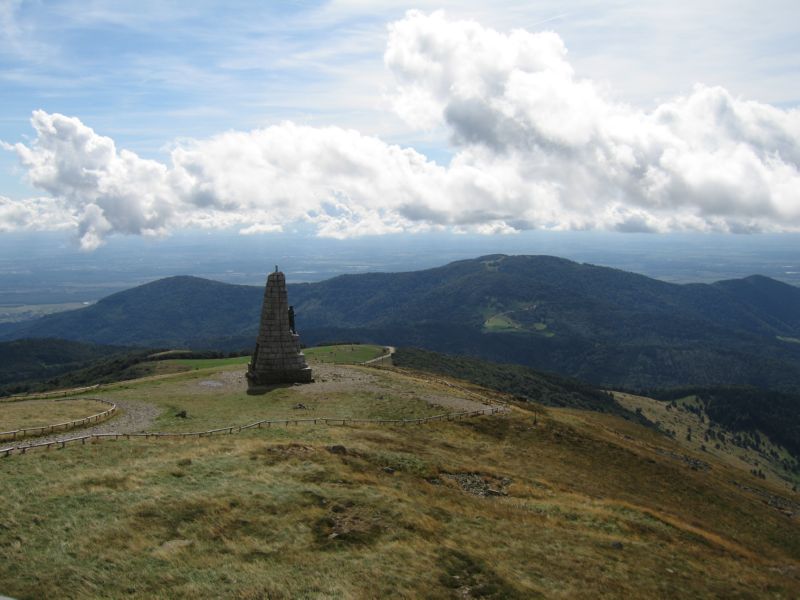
540	502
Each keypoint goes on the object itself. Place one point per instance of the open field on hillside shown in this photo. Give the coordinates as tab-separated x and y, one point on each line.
556	503
501	322
37	413
346	354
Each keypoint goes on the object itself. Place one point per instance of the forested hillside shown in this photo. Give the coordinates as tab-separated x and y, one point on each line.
38	361
748	409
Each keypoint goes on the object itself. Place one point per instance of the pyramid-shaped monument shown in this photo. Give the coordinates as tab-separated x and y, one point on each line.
277	357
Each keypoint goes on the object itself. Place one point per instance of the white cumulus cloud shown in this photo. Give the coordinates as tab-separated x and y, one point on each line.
535	146
34	214
104	189
512	101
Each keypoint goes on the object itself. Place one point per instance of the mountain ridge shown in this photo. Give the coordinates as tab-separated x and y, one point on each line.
599	324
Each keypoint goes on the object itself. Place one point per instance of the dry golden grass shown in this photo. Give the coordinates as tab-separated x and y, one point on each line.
37	413
579	505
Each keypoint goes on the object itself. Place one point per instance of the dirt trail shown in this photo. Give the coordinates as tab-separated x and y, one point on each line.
390	350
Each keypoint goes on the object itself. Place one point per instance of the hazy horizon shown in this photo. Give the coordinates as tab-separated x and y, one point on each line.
48	268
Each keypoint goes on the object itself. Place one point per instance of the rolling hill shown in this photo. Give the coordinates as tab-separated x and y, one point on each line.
601	325
532	502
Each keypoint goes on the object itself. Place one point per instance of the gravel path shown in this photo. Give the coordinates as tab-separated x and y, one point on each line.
132	417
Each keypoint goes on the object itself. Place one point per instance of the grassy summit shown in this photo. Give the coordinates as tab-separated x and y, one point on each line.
551	502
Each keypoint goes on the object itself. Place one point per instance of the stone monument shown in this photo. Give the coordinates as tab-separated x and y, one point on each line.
277	357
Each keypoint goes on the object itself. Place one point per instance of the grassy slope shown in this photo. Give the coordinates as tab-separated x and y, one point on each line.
345	354
595	507
747	410
522	382
693	429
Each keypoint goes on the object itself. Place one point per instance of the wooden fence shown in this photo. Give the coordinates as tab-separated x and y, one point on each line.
266	423
48	429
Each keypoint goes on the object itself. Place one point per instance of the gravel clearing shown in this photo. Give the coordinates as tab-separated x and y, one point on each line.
132	417
329	378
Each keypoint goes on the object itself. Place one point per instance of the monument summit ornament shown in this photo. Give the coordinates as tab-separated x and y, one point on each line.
277	357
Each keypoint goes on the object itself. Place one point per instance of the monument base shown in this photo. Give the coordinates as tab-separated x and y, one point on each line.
263	380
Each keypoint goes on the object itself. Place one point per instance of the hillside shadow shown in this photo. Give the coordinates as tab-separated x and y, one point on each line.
265	389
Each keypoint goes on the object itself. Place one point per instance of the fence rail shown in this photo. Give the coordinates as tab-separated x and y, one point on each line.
266	423
66	426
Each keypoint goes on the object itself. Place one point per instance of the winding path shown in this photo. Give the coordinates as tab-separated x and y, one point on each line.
132	417
391	350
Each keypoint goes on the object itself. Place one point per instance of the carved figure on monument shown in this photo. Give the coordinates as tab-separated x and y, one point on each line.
277	357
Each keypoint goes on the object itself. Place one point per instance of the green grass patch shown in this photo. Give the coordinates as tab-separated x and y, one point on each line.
207	363
501	322
346	354
504	322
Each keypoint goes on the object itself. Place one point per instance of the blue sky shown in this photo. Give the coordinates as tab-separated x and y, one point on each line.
153	76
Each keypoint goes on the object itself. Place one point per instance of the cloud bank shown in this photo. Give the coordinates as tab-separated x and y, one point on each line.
535	146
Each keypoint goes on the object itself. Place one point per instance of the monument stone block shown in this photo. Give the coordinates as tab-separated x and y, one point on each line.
277	357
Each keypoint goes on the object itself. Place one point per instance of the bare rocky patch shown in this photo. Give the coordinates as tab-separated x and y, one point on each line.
479	484
280	452
348	523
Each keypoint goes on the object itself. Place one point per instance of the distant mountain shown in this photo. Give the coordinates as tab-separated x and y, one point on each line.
171	312
601	325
